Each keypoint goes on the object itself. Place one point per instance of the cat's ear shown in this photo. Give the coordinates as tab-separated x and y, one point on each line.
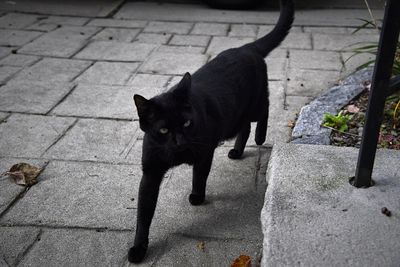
183	87
186	82
142	105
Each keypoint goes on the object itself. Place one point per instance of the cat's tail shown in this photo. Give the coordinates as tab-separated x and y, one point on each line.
266	44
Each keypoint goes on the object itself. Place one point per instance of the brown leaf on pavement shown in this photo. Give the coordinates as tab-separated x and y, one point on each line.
242	261
353	108
201	246
24	174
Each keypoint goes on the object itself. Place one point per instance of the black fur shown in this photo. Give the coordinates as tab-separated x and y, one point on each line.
185	124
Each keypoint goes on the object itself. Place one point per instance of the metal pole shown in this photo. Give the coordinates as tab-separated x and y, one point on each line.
380	83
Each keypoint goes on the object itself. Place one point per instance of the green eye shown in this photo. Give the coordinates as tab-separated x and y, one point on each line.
187	123
163	130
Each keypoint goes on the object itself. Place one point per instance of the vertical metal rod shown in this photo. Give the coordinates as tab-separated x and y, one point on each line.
380	82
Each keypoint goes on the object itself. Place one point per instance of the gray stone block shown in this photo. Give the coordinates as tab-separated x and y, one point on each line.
327	30
9	190
53	70
42	27
183	250
62	42
232	203
276	68
64	20
148	85
111	73
117	23
243	30
15	242
17	20
73	194
6	72
297	40
319	60
68	247
353	62
181	49
303	82
190	40
30	135
98	101
3	115
4	51
96	140
116	34
168	27
219	44
342	42
32	97
116	51
213	29
310	201
265	29
171	63
17	37
19	60
153	38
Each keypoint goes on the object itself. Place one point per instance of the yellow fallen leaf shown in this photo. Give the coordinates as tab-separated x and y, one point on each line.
24	174
242	261
201	246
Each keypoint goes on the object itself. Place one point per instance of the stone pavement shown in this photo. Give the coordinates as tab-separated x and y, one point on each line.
68	73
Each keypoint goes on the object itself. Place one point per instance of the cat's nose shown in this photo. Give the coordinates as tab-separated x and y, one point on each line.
180	141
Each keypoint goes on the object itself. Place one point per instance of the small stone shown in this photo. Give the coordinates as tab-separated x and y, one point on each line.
385	211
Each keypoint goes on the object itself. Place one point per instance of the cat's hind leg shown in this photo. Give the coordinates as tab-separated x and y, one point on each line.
261	130
240	143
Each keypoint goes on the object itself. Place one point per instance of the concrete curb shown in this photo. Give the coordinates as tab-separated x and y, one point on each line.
308	128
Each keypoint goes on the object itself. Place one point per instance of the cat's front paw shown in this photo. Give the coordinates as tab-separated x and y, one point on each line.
196	200
136	253
234	154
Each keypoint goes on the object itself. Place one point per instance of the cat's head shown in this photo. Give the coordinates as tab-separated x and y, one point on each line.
168	117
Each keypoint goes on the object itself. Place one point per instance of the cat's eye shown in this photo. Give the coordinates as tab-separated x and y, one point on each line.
187	123
163	130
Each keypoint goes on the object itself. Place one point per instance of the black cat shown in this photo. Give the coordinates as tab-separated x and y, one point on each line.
186	123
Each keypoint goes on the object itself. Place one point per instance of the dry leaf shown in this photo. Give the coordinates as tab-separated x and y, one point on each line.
24	174
201	246
352	109
290	124
242	261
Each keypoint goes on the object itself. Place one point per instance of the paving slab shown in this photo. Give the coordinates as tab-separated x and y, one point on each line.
117	23
219	44
32	97
153	38
168	27
42	27
6	72
110	73
15	242
213	29
229	211
101	8
116	51
53	70
297	40
17	37
9	190
308	187
76	194
17	20
194	40
172	63
66	247
30	135
62	42
317	60
3	115
116	34
4	51
276	68
243	30
181	49
98	101
327	30
96	140
63	20
342	42
16	60
185	250
148	85
302	82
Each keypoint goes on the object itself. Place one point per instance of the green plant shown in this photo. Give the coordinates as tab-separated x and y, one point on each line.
338	122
